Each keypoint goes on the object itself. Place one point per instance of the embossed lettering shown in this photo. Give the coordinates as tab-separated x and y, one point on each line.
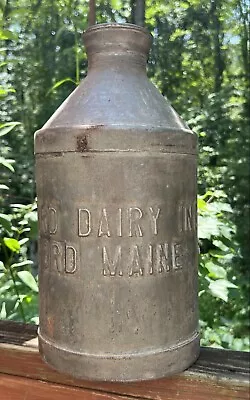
52	220
176	254
134	266
150	259
154	217
186	218
84	222
119	230
63	257
103	224
119	222
57	259
145	260
110	267
162	258
70	259
135	214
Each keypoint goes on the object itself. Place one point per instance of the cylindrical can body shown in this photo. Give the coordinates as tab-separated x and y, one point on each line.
117	236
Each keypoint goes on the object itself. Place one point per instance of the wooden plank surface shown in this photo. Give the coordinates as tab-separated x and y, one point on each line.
16	388
217	375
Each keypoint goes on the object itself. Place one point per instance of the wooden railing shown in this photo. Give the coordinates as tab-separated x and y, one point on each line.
217	375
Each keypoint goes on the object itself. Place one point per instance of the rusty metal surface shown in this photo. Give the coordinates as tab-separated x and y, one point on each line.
116	185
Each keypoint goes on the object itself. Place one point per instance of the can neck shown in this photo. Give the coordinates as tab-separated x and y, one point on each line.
117	45
117	61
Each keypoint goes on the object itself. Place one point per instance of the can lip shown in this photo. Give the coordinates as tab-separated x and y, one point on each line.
116	25
117	38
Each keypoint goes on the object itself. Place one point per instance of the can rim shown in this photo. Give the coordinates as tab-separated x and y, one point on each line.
116	25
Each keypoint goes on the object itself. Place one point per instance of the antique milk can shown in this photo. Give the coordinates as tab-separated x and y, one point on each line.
116	186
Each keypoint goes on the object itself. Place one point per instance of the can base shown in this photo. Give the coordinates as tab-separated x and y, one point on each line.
125	367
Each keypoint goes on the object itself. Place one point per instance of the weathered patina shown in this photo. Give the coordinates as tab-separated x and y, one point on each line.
116	185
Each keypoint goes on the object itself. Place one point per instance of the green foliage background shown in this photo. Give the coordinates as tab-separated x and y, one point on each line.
200	61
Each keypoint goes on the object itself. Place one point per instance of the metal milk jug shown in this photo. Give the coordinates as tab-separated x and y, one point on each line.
116	186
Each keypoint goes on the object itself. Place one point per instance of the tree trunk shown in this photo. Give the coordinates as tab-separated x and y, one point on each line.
92	13
140	12
244	40
219	64
137	15
132	13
